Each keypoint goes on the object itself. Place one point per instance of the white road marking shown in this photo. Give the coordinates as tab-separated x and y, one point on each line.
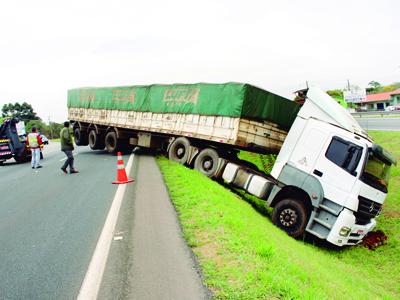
91	284
65	158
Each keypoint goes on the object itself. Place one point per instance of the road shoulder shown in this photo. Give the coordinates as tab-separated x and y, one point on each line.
149	258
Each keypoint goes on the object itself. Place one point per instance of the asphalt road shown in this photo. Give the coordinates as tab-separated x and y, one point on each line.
50	224
385	124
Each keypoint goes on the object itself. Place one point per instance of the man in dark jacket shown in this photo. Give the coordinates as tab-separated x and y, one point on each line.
67	146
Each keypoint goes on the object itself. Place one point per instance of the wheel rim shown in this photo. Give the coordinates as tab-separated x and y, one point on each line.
208	163
91	140
111	142
288	217
180	151
77	135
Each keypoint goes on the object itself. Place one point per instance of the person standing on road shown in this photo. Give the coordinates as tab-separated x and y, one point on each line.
67	146
34	142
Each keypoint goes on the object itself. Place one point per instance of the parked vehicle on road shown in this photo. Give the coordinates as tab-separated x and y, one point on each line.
393	107
45	140
13	141
329	179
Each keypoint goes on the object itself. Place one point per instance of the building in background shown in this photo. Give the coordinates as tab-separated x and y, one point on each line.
380	101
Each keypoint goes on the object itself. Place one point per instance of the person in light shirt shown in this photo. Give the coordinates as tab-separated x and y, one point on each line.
35	144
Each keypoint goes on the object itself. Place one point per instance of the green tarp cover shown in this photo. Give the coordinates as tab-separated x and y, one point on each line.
229	99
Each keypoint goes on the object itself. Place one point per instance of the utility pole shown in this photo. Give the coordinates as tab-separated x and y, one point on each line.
51	131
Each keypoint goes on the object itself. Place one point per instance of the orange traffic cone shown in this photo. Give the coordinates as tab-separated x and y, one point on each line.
121	173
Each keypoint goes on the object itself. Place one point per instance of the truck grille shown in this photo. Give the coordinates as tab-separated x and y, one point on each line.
368	209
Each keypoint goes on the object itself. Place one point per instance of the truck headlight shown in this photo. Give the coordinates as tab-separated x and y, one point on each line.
344	231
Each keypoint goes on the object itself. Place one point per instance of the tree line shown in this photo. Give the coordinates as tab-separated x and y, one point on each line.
24	111
373	87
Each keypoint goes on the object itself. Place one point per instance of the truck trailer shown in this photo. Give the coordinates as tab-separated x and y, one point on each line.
329	178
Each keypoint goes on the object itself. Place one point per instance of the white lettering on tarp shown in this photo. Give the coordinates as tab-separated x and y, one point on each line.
87	95
181	96
123	95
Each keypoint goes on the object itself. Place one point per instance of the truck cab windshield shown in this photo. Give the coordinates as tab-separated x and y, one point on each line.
376	172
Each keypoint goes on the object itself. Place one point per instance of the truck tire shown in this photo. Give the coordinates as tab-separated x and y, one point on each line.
111	142
179	150
96	141
22	158
291	216
207	162
81	137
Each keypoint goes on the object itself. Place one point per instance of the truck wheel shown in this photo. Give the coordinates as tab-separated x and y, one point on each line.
111	142
81	137
96	141
179	150
22	158
291	216
207	162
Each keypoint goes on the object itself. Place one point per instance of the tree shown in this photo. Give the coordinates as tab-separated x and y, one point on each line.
335	93
54	130
22	111
374	85
38	124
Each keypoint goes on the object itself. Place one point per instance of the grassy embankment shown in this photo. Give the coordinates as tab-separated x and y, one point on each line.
244	256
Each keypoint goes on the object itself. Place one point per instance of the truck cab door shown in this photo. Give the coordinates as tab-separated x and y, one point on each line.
337	168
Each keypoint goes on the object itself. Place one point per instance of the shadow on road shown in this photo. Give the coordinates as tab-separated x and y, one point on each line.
11	163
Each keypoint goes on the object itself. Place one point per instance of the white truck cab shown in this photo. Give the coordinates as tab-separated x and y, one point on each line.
329	178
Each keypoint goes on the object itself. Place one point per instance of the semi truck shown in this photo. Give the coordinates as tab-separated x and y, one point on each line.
329	180
13	141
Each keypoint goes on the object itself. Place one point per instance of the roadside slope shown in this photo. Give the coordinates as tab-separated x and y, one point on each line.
243	255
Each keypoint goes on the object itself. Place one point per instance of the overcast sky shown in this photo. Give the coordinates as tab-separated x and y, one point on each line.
48	47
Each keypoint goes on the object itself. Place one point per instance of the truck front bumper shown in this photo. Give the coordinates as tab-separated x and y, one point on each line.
345	231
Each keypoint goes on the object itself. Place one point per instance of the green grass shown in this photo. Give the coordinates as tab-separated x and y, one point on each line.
263	162
244	256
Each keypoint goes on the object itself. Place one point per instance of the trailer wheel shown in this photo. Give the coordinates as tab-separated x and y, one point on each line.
81	138
179	150
96	141
207	162
111	142
291	216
